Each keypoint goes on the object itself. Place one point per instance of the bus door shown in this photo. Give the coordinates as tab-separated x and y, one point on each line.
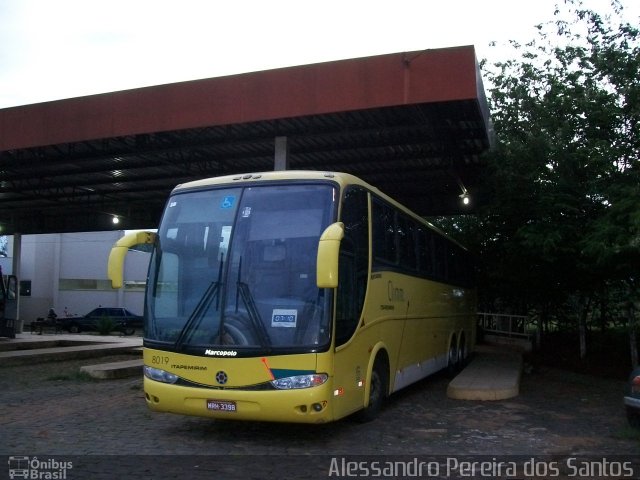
352	355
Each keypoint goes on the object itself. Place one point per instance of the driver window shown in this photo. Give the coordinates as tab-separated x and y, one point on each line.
354	263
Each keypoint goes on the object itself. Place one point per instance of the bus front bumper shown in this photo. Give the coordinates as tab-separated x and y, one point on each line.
308	405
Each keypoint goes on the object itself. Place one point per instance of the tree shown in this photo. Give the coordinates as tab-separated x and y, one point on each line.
565	176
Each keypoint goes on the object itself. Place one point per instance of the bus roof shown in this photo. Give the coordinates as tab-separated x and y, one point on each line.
274	176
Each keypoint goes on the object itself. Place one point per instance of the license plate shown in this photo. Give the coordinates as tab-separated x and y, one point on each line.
221	406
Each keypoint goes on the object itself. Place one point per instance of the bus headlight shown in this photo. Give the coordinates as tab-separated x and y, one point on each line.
300	381
160	375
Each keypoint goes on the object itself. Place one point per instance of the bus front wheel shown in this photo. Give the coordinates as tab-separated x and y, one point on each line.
378	391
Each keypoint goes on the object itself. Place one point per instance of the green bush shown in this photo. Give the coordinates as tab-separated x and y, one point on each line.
105	326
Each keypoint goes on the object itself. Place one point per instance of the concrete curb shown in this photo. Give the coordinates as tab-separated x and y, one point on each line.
491	375
40	355
105	371
30	349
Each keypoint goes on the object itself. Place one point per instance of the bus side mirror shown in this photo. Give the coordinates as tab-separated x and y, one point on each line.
115	266
328	251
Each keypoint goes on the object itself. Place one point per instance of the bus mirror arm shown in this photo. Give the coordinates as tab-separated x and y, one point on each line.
328	253
115	265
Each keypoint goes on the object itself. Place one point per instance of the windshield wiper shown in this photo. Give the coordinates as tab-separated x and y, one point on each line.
203	304
254	316
198	313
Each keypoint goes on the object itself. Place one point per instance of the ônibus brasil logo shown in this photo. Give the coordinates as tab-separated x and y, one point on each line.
35	468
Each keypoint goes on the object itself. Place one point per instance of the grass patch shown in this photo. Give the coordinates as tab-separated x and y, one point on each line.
629	433
105	326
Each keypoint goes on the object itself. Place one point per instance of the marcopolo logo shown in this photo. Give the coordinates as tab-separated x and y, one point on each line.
35	468
220	353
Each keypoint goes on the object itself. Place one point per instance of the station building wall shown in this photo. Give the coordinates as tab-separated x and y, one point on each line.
68	272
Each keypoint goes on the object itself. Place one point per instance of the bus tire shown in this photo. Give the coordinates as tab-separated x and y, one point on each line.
453	360
463	352
378	390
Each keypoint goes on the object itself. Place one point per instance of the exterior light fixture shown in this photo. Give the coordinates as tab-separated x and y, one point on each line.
465	198
115	220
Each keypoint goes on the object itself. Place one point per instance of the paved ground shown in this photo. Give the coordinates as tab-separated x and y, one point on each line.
50	411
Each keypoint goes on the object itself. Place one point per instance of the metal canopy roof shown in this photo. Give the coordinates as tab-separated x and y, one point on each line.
412	124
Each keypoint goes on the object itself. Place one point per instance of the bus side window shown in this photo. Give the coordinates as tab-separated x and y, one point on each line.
425	251
440	257
406	231
385	246
354	263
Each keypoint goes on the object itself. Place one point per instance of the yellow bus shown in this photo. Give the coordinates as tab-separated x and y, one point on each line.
295	296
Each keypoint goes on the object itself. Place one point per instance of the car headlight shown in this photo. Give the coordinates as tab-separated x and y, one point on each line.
300	381
160	375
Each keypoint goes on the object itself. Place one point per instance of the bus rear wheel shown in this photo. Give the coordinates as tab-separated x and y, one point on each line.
463	352
378	391
453	359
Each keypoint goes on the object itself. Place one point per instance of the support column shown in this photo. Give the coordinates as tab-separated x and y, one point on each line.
15	270
57	272
120	292
281	160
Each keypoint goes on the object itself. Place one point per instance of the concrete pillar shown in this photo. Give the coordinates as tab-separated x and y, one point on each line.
57	268
120	292
15	270
281	160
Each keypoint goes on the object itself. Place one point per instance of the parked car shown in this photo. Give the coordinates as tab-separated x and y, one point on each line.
632	398
122	320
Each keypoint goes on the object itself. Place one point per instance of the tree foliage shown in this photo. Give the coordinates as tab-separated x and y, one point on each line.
562	231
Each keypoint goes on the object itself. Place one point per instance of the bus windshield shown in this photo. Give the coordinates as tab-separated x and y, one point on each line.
236	268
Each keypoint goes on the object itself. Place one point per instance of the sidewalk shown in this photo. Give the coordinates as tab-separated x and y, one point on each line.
29	348
493	374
